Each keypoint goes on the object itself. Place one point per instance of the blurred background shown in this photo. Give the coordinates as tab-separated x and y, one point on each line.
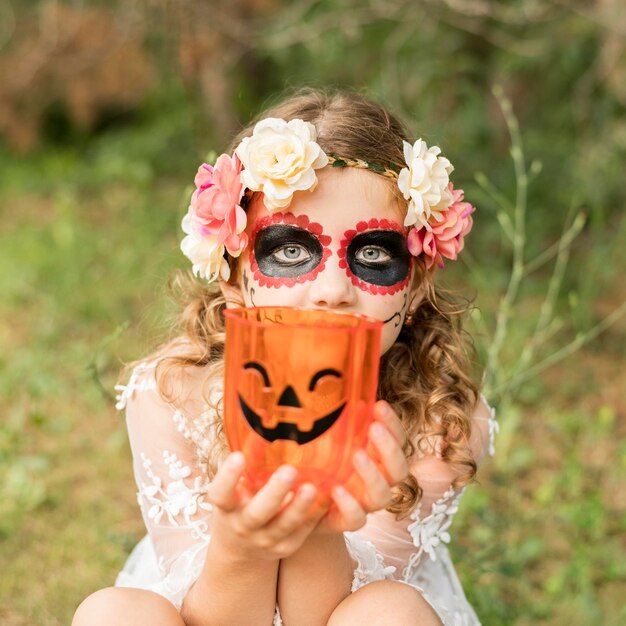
106	110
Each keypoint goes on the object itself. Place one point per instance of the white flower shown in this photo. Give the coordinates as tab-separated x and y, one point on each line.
203	250
425	183
279	159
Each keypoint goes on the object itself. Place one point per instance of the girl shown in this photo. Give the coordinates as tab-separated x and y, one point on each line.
321	204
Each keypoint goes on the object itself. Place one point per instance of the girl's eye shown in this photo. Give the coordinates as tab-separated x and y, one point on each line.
372	254
291	254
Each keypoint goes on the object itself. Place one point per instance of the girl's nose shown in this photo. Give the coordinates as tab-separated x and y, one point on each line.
332	287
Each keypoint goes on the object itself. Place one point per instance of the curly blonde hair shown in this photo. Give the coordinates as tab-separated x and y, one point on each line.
425	375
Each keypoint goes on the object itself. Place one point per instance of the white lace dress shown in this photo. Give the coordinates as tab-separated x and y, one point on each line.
165	441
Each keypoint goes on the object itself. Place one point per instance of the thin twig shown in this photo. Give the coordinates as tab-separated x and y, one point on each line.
547	308
519	241
565	351
566	241
484	182
92	366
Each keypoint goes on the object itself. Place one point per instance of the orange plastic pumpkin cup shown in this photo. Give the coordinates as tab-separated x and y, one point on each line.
299	389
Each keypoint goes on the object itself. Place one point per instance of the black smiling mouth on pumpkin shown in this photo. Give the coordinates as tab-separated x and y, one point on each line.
288	411
287	430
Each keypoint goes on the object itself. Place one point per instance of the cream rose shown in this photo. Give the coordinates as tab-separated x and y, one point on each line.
424	183
201	247
279	159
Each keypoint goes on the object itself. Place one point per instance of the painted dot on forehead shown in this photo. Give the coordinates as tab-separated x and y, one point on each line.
384	237
274	233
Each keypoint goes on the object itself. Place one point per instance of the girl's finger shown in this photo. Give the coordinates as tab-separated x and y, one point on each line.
289	543
351	513
223	488
392	461
384	413
269	499
376	489
297	513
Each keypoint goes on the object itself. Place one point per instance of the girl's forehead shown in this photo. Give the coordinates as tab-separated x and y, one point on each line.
342	198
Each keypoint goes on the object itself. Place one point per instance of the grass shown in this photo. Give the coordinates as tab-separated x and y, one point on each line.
86	247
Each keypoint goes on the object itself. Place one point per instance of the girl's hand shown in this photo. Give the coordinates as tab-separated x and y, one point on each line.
378	469
269	525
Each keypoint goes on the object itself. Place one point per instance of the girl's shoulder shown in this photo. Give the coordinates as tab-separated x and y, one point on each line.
156	387
162	379
142	379
176	411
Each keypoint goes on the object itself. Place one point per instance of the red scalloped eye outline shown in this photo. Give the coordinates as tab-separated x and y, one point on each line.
348	236
302	221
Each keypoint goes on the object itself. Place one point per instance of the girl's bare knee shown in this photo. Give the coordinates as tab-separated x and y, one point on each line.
121	606
385	603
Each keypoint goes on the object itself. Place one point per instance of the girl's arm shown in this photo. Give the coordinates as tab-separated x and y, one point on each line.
232	592
319	575
250	534
314	580
203	535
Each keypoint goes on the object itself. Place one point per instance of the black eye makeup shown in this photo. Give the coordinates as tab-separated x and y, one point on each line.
286	251
379	257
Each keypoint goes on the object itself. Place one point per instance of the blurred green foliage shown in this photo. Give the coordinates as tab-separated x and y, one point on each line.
94	173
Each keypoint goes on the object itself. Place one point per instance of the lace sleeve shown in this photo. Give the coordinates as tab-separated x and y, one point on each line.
435	476
432	518
171	487
403	545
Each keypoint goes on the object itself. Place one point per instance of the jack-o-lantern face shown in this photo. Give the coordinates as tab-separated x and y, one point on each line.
299	389
286	414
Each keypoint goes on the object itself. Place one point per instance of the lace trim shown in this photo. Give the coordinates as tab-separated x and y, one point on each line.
278	621
183	573
431	531
126	391
174	584
177	498
370	565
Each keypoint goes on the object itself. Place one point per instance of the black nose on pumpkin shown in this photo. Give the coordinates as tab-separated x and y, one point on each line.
289	398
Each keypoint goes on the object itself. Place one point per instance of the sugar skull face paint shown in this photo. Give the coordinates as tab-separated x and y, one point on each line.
287	250
341	247
375	256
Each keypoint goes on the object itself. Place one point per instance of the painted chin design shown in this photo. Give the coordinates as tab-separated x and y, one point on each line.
288	430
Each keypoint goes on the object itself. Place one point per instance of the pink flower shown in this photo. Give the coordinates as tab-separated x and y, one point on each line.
204	178
446	237
216	203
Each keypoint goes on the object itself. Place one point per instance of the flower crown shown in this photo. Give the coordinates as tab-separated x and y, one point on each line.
279	159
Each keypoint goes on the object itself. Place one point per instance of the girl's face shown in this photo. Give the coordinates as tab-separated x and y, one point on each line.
341	247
